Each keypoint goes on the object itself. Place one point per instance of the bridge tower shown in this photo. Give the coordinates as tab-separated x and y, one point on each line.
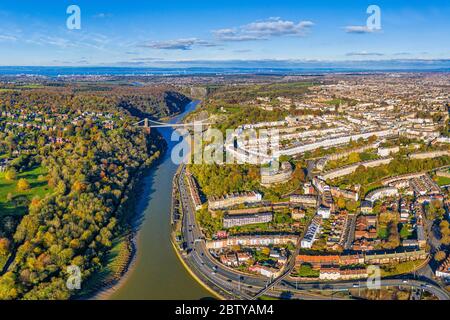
146	126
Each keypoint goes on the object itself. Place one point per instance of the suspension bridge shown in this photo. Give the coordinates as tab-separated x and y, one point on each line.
150	123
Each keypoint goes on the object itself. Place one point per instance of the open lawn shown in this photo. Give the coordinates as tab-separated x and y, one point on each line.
20	200
443	181
400	268
32	86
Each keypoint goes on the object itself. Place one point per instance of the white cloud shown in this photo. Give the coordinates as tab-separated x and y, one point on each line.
263	30
102	15
147	59
359	29
178	44
7	38
364	54
60	42
234	35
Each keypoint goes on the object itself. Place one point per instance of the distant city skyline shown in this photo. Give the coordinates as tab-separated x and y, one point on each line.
232	33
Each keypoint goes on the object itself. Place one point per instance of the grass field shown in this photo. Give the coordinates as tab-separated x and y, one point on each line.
18	205
32	86
400	268
334	102
443	181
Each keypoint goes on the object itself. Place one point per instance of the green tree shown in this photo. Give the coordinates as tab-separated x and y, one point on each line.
351	205
404	232
9	197
354	157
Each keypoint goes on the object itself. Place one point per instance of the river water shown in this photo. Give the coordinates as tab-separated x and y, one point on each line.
157	273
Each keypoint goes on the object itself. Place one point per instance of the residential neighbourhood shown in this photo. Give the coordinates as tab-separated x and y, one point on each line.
373	184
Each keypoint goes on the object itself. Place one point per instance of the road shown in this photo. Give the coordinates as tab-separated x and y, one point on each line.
232	284
350	231
440	293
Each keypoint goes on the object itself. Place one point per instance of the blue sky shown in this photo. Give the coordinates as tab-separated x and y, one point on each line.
163	33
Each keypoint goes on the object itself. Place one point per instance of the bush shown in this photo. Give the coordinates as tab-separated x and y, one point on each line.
306	271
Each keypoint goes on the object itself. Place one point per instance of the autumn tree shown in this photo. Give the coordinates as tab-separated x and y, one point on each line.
341	203
11	174
23	185
4	246
445	232
440	256
78	186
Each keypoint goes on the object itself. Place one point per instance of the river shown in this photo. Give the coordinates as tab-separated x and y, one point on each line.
157	273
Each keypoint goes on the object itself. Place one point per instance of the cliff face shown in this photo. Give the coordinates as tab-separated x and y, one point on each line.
175	102
158	105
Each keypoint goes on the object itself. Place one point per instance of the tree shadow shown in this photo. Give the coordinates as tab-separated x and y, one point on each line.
38	184
12	211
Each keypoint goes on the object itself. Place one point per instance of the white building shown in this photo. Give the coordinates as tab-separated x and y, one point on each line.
380	193
233	199
327	143
269	177
230	221
324	212
305	200
311	234
329	274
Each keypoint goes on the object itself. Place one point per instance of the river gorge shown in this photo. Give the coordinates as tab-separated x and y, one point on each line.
156	272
